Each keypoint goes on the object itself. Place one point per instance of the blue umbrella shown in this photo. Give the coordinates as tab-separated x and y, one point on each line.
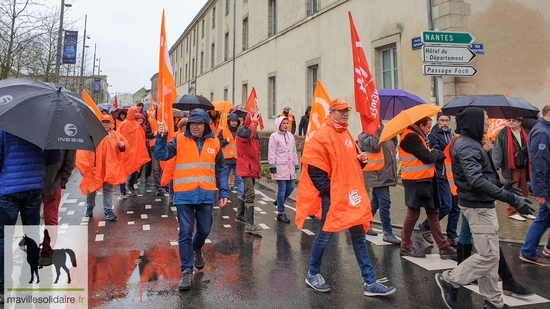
393	101
106	107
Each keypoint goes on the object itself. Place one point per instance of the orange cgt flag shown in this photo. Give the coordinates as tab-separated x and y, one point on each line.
367	101
495	126
91	104
115	102
252	106
166	84
319	110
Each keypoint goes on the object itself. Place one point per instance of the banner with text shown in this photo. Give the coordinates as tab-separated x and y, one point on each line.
69	47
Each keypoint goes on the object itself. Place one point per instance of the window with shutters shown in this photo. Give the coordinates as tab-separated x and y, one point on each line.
202	30
312	6
390	74
226	46
202	61
312	75
272	97
227	4
213	17
244	94
212	54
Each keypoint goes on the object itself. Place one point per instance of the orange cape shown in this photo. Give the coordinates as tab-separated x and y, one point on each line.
136	149
335	153
105	165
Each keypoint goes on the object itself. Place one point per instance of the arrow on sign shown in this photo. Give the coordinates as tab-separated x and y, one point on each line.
447	37
449	70
447	54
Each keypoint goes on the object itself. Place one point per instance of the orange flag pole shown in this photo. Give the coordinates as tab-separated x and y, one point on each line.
92	104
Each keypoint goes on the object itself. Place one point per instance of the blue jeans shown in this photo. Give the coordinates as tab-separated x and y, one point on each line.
358	241
381	200
285	188
28	204
537	229
447	207
465	236
225	174
132	179
187	243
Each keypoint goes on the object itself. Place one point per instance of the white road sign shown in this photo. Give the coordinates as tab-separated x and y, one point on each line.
447	54
448	70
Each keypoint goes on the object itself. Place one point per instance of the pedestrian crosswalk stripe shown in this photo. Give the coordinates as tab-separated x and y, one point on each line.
262	202
99	237
164	216
70	212
131	222
173	208
158	200
147	206
263	212
130	212
101	223
225	217
263	226
81	203
174	243
216	207
513	301
143	216
308	232
146	227
258	209
432	262
62	208
207	241
227	226
85	219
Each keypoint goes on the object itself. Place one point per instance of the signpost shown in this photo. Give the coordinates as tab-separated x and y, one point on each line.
447	54
449	70
447	37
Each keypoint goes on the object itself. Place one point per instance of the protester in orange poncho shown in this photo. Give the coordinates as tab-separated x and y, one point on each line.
103	168
332	170
137	150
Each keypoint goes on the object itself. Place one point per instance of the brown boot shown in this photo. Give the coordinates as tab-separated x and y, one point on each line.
447	253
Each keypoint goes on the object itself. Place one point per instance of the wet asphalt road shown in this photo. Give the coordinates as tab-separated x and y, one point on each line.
136	265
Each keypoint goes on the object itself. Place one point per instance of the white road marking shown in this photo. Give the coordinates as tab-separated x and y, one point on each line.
263	226
130	212
99	237
101	223
143	216
146	227
262	202
225	217
164	216
131	222
174	243
70	212
147	206
308	232
173	208
227	226
158	200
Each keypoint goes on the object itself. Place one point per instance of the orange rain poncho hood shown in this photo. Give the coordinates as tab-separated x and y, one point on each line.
136	149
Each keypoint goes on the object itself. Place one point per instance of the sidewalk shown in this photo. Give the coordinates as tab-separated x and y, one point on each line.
510	230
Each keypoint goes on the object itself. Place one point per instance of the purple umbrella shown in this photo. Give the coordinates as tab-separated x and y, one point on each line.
393	101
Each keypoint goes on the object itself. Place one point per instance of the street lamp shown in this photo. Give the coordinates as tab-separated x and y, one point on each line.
83	54
60	39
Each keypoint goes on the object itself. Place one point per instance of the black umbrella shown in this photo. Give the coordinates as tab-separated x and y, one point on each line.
188	102
496	106
240	113
48	116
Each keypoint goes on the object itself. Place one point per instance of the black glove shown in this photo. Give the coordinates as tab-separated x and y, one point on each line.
521	204
509	186
273	170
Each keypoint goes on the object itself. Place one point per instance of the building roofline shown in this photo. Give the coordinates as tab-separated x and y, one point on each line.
180	38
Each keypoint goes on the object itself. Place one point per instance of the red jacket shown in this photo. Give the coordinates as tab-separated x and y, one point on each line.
248	149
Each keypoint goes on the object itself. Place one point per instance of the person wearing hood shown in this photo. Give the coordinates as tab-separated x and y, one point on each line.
421	191
137	155
440	136
228	143
291	120
478	187
283	164
248	167
103	169
198	172
304	121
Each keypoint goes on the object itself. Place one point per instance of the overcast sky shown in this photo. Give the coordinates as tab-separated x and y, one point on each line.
127	35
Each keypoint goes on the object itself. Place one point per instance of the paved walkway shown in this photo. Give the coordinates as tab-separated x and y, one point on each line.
510	230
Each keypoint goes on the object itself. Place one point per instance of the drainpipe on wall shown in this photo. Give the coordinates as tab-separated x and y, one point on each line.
234	32
431	27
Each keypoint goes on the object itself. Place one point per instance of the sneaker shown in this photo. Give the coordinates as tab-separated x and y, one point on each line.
131	191
488	305
136	186
283	218
89	212
530	217
392	239
517	217
447	253
110	215
515	289
199	260
426	234
378	289
317	282
536	260
546	251
448	292
370	232
185	280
